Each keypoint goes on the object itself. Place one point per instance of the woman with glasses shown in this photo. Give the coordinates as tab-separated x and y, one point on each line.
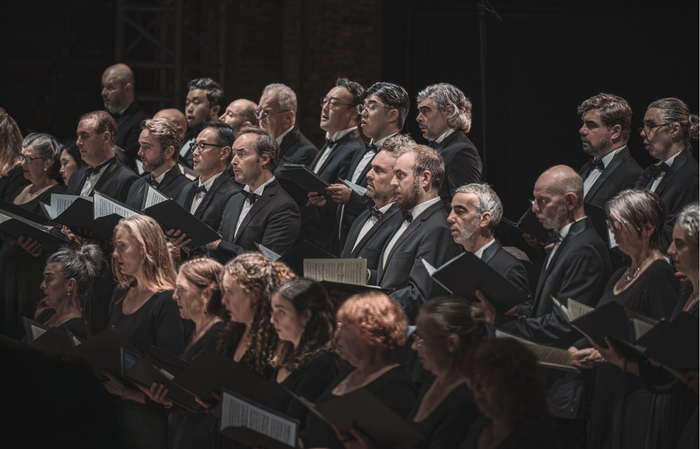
647	286
370	325
21	266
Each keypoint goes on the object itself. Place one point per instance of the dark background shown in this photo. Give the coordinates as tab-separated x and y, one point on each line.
543	60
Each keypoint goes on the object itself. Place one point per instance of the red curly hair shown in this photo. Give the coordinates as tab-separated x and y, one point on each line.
377	318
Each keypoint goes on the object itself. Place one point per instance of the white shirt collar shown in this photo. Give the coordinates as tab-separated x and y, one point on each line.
670	160
259	191
207	185
419	209
281	136
385	208
609	157
480	252
567	227
340	134
379	143
444	135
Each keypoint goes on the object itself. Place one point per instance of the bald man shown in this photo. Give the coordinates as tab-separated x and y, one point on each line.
119	100
577	267
240	114
176	116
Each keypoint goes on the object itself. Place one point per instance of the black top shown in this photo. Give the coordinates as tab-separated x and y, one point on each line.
11	184
536	433
447	425
206	343
309	381
157	322
394	388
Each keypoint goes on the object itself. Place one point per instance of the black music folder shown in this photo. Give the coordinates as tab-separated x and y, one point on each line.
599	220
173	216
294	258
464	274
16	226
54	341
614	321
104	351
305	178
674	344
78	215
529	223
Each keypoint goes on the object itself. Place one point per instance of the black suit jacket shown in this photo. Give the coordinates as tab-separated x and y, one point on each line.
621	173
678	188
319	222
462	164
172	184
211	209
580	269
129	127
295	149
428	237
115	182
508	266
371	245
273	222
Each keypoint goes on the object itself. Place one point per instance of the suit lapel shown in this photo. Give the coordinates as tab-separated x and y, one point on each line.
257	207
447	140
288	142
373	230
491	251
612	166
105	176
209	196
678	162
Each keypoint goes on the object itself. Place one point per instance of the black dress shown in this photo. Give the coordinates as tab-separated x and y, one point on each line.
309	382
621	411
21	274
188	429
535	433
394	388
448	424
75	326
157	322
11	184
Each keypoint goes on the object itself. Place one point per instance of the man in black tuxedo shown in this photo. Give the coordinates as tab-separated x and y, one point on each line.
370	232
668	131
476	211
444	118
178	118
606	123
339	117
264	213
577	267
118	95
97	132
240	114
159	141
423	233
277	112
383	110
203	104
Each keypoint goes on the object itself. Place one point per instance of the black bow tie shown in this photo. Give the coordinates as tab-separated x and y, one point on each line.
330	142
250	196
656	170
371	147
432	144
556	237
151	181
374	212
407	216
197	188
97	170
593	164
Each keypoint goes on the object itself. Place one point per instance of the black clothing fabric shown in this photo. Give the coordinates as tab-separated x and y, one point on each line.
536	433
462	164
371	245
211	209
309	382
295	149
21	274
394	388
75	326
508	266
115	181
189	430
172	184
621	403
621	173
11	184
129	130
448	424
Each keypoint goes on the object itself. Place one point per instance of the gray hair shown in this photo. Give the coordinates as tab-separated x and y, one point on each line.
396	144
488	201
47	148
82	264
641	209
613	110
286	97
445	95
673	111
688	220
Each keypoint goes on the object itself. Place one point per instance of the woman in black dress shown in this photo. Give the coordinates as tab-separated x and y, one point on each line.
510	390
305	361
68	277
370	325
11	173
648	286
21	264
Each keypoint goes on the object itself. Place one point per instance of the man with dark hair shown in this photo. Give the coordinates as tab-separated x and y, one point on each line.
240	114
339	118
605	129
423	233
118	94
204	103
277	112
159	142
445	118
263	213
97	132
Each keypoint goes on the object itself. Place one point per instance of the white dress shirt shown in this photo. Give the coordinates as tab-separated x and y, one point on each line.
416	211
369	224
199	196
247	205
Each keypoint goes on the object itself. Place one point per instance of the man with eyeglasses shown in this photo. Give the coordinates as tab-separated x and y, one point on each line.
339	118
445	118
204	103
263	213
277	111
668	131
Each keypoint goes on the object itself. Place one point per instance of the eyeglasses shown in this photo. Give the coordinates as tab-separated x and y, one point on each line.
201	146
339	327
646	129
361	108
264	115
418	340
333	103
28	159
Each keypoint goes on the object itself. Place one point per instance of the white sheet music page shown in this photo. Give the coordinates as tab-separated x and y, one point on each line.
345	271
